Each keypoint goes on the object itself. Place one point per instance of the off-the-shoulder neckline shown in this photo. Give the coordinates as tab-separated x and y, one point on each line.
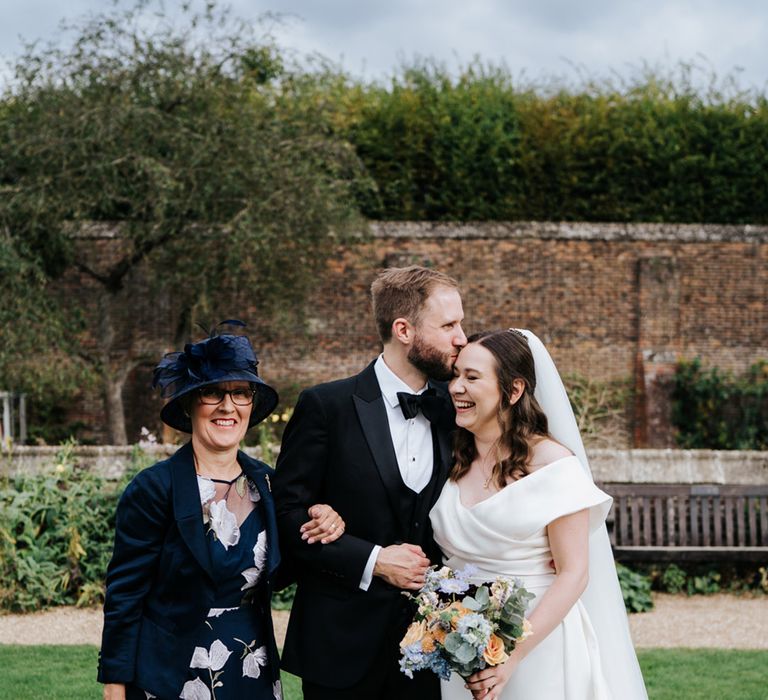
508	486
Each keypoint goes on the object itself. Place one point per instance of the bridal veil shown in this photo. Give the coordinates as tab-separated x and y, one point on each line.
602	598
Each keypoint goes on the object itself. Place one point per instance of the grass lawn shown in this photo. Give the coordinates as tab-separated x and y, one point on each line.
68	673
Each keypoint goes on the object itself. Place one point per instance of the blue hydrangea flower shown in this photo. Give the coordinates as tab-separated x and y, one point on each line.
453	585
475	630
413	659
467	572
438	665
434	577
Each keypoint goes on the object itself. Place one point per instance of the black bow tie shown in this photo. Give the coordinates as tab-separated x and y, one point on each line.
431	405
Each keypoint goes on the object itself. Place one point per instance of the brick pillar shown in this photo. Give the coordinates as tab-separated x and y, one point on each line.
658	320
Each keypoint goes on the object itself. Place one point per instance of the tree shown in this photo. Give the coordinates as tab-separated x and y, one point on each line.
36	353
195	146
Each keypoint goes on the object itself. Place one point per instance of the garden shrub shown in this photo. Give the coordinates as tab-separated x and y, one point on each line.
705	584
712	409
601	409
673	579
283	600
635	589
704	579
56	535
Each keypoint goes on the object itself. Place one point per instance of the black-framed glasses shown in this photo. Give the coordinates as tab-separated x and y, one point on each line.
212	395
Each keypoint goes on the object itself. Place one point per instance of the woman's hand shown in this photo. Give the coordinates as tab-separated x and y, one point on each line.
114	691
326	525
489	683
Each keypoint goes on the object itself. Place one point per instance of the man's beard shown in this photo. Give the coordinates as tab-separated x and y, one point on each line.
430	361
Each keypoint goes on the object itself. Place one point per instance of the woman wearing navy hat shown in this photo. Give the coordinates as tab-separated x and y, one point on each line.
187	611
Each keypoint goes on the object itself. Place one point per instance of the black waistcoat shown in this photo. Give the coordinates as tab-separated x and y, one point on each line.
415	507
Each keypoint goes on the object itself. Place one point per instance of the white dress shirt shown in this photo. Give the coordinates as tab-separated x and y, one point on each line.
411	438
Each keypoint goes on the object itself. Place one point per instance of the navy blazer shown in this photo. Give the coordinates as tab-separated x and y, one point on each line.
160	584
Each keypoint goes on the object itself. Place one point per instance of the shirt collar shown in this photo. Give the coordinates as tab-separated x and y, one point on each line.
390	384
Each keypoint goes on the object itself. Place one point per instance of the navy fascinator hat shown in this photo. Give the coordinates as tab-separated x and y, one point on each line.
218	358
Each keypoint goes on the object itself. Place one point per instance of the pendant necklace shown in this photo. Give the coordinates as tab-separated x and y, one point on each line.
495	449
487	481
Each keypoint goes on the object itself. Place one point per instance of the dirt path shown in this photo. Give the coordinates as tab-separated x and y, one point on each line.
718	621
722	621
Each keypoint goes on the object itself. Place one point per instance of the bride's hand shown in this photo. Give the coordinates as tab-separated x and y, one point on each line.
489	683
326	525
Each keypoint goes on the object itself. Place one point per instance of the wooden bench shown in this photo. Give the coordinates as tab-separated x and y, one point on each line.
688	523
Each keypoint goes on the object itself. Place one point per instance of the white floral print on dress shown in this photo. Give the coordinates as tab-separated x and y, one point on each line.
259	557
224	523
195	690
206	488
277	690
253	661
213	659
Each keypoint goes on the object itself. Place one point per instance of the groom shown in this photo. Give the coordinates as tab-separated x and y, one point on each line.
379	455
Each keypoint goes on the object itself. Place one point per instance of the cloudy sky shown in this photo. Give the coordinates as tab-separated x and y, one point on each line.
535	38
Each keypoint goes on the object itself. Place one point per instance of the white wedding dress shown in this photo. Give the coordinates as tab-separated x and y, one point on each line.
590	655
506	535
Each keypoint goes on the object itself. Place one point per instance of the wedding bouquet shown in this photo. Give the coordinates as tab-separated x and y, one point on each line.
463	627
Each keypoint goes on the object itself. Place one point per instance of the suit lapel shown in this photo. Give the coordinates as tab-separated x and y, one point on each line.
446	455
444	436
372	414
260	475
187	508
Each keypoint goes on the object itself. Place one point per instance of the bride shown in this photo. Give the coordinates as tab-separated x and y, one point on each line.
520	502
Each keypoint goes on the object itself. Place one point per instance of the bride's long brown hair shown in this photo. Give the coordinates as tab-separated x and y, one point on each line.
519	422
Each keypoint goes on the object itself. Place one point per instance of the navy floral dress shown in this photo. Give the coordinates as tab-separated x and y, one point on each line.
230	657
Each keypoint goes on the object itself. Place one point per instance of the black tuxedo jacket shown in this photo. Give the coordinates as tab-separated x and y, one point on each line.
337	449
160	582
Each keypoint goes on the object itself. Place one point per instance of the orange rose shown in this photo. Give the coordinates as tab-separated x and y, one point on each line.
428	643
460	609
494	653
413	634
439	635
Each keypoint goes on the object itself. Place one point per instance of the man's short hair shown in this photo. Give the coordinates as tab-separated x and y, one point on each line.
402	292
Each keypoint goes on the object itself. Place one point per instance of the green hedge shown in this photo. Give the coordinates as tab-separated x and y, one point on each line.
482	147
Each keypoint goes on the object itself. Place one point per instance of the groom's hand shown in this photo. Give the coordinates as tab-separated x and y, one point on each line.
402	565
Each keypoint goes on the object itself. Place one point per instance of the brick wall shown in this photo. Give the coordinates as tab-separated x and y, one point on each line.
610	301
